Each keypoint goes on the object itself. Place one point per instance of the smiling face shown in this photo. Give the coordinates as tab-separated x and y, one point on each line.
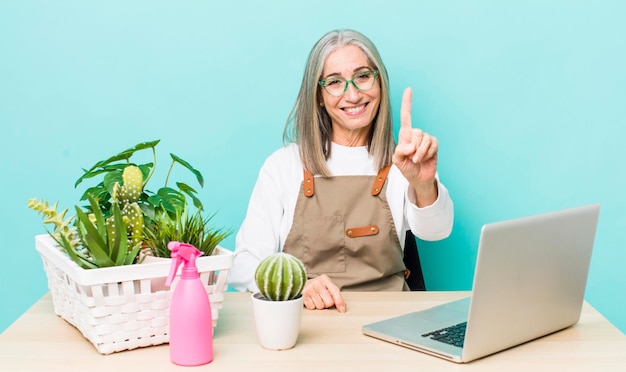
353	113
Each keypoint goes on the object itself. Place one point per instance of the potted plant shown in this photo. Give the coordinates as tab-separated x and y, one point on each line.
89	258
277	307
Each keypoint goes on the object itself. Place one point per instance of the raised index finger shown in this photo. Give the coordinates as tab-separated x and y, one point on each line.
404	136
405	109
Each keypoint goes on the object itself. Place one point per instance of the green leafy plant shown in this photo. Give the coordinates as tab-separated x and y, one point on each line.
121	206
280	277
193	229
166	198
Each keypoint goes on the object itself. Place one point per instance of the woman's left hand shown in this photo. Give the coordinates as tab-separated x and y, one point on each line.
416	155
322	293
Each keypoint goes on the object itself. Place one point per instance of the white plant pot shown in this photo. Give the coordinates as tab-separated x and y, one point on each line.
277	322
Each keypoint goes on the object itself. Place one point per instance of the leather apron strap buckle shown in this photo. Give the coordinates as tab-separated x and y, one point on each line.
308	186
380	180
356	232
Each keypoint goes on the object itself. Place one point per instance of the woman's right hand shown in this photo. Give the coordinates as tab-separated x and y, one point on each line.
322	293
416	155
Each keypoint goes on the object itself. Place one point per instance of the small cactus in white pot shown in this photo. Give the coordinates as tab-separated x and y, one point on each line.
280	277
278	304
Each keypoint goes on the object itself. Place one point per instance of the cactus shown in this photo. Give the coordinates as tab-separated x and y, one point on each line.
133	184
126	196
280	277
131	188
133	218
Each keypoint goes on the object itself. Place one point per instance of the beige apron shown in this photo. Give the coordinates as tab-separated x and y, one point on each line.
342	227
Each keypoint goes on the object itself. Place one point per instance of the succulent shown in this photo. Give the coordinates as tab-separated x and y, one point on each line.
100	239
64	230
280	277
92	240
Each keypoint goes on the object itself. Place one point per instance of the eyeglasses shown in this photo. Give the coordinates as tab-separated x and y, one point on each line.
337	86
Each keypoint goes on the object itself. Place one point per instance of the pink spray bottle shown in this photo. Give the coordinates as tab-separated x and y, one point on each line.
191	324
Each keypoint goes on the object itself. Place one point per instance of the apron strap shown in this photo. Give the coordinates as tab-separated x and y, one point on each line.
308	186
380	180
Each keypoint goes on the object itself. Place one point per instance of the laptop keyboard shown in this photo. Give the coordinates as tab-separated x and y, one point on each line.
453	335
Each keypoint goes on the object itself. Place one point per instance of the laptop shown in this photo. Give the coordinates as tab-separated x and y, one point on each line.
529	281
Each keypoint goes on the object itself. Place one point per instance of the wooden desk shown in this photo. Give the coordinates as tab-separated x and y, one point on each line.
329	341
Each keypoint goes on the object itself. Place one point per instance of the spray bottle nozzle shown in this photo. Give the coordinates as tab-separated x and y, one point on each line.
182	253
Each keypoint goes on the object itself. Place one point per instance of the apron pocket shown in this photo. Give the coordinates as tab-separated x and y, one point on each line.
324	250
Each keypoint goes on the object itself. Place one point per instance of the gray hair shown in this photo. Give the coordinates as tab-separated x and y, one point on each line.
308	123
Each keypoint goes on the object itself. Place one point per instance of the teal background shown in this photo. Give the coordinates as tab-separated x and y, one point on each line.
527	100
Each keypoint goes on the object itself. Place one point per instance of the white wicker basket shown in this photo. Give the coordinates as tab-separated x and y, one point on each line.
124	307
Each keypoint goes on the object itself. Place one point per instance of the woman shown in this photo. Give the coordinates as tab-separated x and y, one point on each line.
339	196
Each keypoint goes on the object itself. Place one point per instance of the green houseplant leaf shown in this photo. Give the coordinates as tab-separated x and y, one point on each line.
124	155
110	229
191	193
188	166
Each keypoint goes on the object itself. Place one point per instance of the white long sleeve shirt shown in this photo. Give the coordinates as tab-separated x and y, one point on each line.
273	202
